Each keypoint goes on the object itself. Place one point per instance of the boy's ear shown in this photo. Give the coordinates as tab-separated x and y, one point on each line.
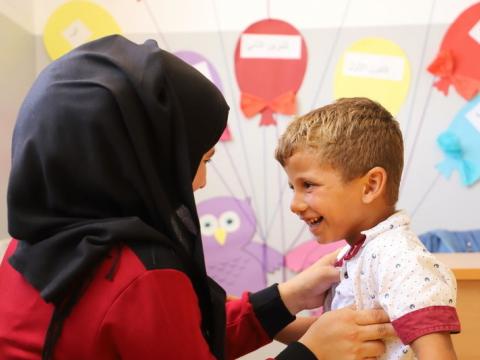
375	184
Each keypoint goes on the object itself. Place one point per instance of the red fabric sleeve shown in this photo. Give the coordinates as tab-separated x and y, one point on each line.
244	331
161	310
156	317
426	321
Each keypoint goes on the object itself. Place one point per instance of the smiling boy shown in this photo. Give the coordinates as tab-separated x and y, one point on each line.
344	163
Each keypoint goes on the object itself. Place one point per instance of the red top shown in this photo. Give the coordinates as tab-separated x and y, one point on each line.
140	314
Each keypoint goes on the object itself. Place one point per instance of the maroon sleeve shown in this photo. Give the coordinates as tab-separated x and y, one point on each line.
425	321
244	331
255	319
156	317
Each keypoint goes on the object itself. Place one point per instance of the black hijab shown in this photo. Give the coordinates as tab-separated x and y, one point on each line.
105	148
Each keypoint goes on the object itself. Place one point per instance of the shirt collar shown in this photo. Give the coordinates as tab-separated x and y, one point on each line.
396	220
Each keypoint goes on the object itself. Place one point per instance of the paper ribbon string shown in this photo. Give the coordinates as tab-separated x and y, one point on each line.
452	148
444	67
284	104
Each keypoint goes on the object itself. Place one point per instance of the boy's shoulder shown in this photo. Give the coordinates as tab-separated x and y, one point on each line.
400	255
397	242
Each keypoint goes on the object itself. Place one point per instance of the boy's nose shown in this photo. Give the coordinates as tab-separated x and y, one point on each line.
297	205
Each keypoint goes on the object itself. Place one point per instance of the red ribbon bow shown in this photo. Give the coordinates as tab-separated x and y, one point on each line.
285	104
444	67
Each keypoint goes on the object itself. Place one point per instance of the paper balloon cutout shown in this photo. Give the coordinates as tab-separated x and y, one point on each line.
304	255
228	226
200	63
457	62
75	23
270	62
461	144
375	68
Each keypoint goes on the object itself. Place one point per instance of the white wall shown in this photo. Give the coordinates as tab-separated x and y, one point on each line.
17	71
19	11
199	15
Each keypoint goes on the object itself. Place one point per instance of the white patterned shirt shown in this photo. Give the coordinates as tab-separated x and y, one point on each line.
392	270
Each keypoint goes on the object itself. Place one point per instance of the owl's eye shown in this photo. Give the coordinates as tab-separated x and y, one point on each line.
208	224
230	221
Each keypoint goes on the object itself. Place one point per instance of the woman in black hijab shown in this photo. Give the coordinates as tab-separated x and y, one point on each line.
109	263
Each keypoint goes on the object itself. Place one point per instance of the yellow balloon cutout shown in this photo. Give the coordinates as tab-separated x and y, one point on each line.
375	68
74	23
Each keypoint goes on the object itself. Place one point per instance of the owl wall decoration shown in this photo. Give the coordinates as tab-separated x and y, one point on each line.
233	259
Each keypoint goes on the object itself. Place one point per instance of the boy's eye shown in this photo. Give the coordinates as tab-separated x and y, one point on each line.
290	186
307	185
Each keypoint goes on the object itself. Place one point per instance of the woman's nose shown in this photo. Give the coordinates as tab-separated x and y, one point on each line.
297	204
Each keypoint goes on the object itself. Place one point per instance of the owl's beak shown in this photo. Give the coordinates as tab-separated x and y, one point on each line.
220	235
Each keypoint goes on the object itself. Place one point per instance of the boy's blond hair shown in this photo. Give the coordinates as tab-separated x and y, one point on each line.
352	135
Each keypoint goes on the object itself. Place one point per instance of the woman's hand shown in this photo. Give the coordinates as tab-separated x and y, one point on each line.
307	289
348	334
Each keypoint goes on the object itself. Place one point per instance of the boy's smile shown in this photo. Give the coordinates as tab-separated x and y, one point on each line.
332	208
